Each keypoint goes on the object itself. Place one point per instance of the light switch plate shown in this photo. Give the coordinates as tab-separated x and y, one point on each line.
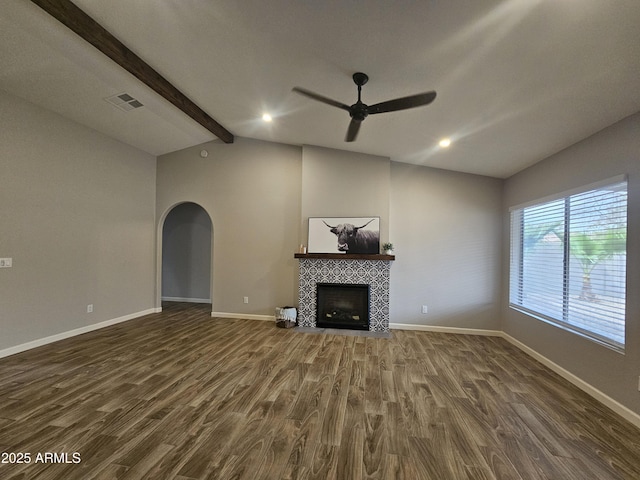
6	262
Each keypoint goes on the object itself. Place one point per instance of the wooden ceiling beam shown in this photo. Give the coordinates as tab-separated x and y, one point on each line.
91	31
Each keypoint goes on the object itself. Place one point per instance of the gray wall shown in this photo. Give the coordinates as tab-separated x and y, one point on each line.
336	183
445	227
611	152
251	191
77	216
186	254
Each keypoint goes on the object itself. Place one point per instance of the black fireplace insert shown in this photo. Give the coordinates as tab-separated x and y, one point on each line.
342	305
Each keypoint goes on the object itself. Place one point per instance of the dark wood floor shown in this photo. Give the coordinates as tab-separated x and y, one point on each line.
181	395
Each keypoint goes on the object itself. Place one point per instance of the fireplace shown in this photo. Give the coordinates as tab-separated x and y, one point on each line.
342	305
369	270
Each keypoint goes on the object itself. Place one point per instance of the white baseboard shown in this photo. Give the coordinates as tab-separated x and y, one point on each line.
72	333
185	299
603	398
244	316
437	329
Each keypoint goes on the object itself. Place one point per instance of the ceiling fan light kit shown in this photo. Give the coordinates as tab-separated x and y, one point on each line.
359	110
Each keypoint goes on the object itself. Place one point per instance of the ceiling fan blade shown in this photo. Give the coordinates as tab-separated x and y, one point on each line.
352	131
320	98
402	103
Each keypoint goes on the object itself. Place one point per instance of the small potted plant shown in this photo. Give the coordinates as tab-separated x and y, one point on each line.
387	248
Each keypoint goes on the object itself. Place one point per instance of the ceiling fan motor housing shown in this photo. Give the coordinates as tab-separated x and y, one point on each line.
358	111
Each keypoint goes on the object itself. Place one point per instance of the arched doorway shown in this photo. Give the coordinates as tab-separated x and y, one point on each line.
187	235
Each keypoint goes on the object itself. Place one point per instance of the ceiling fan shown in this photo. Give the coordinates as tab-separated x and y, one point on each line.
359	111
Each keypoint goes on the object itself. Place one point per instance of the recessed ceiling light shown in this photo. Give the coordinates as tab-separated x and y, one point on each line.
266	117
445	142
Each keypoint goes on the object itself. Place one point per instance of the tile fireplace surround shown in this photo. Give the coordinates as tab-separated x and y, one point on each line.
372	270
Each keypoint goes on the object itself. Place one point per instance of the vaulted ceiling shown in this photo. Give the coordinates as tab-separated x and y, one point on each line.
517	80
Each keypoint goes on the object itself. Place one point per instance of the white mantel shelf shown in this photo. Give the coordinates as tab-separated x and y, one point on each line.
345	256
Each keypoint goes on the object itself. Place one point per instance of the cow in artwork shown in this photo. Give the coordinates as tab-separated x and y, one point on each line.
352	239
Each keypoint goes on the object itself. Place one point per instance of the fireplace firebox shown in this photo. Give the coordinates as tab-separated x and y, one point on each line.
342	305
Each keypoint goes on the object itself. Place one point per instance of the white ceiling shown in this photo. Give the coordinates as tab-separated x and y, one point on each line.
517	80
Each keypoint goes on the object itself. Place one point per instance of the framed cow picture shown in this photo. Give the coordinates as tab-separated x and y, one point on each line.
354	235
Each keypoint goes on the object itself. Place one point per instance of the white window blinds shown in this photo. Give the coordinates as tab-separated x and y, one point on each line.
568	262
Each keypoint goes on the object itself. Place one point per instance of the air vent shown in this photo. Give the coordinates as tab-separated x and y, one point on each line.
124	102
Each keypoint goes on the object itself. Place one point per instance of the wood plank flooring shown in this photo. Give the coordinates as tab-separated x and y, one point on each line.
178	395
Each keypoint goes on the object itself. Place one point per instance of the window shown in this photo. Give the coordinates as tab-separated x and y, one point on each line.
568	261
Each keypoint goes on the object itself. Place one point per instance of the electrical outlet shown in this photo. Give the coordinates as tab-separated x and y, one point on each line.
246	300
90	308
425	309
6	262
